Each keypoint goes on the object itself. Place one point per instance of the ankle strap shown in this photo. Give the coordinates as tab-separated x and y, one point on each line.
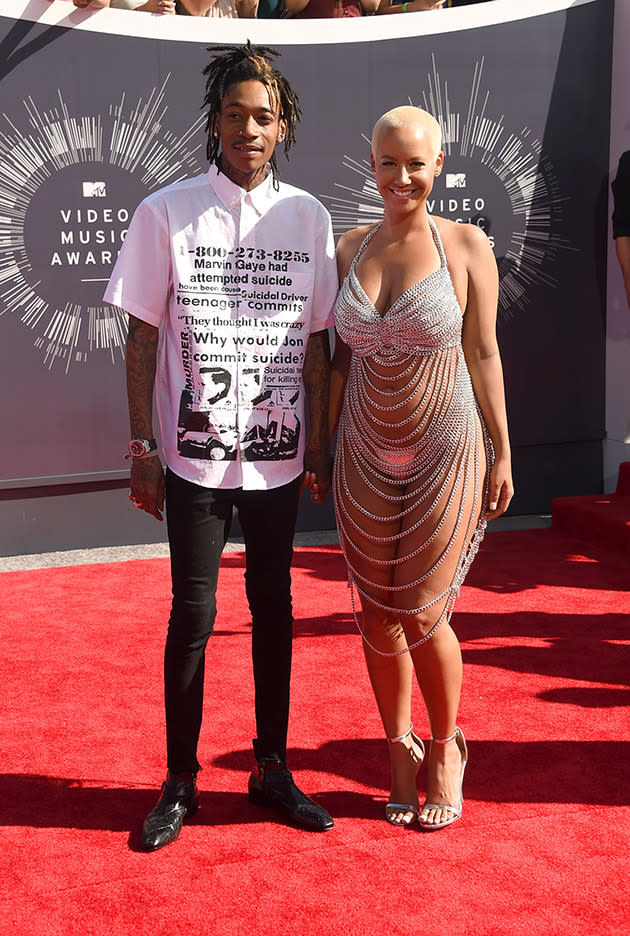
402	736
446	740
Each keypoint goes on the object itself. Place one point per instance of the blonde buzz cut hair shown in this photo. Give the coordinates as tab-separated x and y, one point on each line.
408	115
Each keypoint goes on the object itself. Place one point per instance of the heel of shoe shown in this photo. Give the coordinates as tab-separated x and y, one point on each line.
256	794
394	809
192	809
454	810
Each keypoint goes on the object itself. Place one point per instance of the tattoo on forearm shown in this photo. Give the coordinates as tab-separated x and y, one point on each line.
316	376
142	342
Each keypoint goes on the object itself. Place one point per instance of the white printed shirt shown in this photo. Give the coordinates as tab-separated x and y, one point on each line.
236	281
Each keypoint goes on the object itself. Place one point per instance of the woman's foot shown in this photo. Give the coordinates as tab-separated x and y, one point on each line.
406	754
447	762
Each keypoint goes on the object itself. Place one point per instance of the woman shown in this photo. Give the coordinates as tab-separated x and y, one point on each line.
423	457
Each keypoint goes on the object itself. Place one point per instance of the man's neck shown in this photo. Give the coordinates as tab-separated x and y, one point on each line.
245	180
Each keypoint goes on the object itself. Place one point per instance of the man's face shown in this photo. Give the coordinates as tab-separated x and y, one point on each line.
249	127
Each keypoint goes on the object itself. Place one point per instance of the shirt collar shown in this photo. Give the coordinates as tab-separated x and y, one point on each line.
232	194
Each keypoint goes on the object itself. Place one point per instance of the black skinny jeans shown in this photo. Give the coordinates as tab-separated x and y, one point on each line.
198	522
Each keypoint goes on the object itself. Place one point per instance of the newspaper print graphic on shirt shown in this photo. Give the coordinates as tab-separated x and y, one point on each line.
243	347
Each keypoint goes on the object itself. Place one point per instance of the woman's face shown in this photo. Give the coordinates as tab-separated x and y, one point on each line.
405	165
249	126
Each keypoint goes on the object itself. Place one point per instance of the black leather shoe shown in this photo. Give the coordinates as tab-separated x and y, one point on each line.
179	798
271	784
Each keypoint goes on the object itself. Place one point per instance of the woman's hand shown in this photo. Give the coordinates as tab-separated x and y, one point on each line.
500	489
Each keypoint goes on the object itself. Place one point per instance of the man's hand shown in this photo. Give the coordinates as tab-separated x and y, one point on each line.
317	474
316	375
147	485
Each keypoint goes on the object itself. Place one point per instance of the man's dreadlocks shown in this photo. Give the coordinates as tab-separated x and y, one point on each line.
232	65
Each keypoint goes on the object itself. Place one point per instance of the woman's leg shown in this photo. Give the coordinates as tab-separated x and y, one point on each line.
438	666
391	679
444	538
370	546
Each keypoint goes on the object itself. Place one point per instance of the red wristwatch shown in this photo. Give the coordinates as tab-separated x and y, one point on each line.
142	448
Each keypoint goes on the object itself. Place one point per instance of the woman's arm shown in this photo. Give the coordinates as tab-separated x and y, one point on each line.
338	376
483	359
346	250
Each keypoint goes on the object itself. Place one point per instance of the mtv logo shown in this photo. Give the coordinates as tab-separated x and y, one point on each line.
456	180
94	190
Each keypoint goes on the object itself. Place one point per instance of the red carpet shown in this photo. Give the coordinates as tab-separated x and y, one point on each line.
605	517
602	518
540	850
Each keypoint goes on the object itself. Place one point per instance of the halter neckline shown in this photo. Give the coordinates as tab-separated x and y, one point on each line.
437	240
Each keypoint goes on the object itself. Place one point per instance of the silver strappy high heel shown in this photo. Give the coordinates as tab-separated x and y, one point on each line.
456	811
392	808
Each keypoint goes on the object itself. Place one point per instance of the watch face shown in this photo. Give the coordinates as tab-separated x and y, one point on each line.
137	448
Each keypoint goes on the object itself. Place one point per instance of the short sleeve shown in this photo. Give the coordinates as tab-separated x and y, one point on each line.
141	279
621	198
325	285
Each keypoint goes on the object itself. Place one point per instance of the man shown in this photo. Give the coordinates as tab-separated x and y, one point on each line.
621	218
234	273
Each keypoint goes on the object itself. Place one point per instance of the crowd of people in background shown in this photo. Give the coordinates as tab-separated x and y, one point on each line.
275	9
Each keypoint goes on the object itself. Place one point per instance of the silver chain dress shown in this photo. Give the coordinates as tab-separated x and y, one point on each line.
413	453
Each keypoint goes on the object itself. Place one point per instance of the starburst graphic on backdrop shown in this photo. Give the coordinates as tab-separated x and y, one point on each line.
510	163
129	141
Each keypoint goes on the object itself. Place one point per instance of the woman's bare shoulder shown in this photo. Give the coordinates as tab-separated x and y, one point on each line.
352	240
459	236
348	246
